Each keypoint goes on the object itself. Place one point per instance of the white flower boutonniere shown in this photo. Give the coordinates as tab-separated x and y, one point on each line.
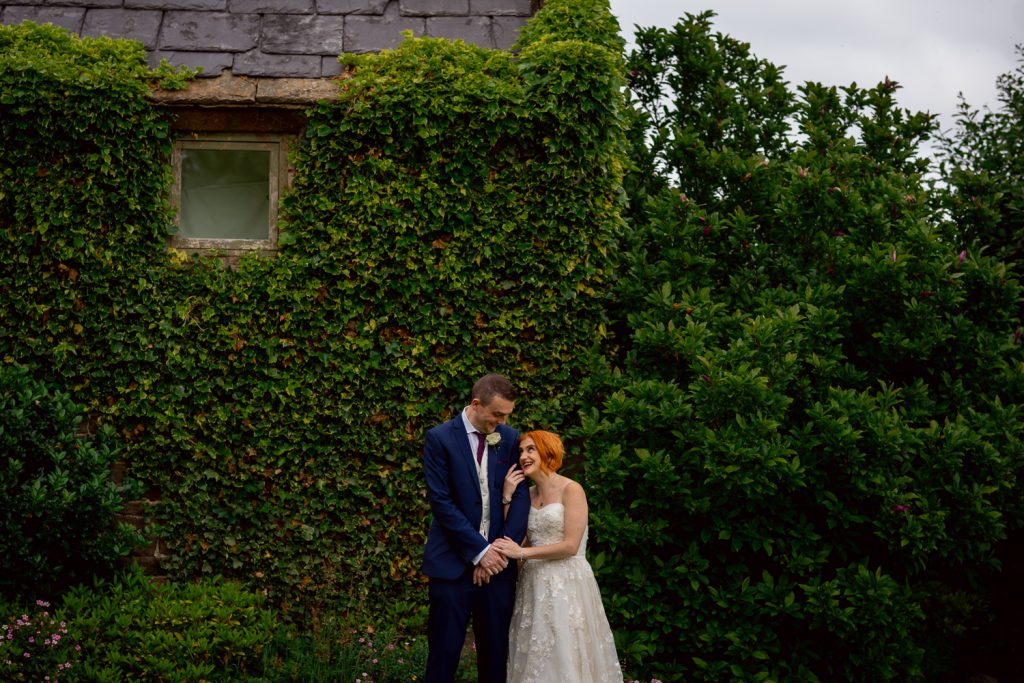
493	439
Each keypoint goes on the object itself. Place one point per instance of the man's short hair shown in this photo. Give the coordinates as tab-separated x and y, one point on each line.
489	386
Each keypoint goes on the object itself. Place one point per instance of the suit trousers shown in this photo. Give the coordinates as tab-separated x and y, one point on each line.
451	604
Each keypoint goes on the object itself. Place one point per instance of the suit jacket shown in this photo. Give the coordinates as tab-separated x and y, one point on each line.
453	491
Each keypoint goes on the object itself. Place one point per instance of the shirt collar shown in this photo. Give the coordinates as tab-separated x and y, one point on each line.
466	423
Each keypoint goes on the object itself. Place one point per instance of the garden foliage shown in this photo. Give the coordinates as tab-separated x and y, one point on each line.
57	502
132	629
983	162
454	211
807	447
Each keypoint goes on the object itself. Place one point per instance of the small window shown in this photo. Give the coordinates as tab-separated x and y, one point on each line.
226	191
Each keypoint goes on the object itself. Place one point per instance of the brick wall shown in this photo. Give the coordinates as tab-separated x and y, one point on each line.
136	513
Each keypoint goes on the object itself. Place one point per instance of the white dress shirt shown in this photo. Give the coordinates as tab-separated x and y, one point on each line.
481	469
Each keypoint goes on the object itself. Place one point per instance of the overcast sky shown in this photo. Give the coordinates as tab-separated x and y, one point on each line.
935	49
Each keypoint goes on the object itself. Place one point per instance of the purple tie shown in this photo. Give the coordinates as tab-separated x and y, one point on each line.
479	447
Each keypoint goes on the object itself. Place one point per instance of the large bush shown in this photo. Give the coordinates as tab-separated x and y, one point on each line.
804	452
57	503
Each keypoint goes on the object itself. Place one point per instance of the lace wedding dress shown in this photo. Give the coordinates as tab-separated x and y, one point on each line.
559	631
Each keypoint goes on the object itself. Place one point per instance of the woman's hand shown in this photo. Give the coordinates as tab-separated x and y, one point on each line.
513	478
509	548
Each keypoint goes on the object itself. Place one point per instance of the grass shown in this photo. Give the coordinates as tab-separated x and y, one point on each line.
336	651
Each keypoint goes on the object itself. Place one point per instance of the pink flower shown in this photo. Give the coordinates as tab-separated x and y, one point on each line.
893	256
900	508
961	257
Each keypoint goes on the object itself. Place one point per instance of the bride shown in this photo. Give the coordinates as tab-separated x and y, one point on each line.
559	631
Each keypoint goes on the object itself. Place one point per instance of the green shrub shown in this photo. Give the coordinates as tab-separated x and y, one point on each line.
132	628
57	501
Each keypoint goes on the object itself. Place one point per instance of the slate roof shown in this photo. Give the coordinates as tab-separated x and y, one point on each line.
275	38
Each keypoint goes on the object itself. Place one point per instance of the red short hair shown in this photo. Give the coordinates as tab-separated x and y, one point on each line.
549	446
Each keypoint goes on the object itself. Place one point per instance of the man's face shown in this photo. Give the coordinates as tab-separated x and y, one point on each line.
486	418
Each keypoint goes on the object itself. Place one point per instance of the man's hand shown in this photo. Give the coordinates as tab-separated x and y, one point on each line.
480	576
492	562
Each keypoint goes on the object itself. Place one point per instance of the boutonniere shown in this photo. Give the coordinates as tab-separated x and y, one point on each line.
493	439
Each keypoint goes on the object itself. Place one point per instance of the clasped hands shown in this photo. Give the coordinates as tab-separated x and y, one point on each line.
496	559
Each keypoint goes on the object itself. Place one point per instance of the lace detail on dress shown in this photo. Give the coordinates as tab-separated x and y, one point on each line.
559	632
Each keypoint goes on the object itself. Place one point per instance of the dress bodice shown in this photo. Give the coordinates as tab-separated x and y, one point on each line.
547	525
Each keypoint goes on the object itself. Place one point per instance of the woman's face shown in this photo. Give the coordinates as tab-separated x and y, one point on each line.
529	457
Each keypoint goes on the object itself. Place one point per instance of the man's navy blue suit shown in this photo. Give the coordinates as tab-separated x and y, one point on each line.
453	490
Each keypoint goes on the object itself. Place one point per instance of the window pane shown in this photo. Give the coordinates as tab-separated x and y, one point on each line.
225	194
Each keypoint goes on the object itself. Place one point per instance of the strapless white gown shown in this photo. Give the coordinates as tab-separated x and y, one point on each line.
559	631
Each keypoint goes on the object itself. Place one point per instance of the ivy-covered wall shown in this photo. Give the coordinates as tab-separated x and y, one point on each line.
455	211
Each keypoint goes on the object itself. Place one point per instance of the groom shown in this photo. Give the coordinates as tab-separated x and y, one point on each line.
465	461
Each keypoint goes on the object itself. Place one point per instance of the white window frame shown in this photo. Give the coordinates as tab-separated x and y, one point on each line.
276	145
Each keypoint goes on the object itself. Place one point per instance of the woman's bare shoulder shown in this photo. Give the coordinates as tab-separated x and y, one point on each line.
572	488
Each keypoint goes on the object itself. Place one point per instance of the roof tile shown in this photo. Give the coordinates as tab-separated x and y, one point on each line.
210	31
256	63
142	26
298	34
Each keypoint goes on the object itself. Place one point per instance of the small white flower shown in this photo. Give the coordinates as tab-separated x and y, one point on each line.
493	439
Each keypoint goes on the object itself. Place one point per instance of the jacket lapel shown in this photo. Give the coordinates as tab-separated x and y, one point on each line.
466	454
492	461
